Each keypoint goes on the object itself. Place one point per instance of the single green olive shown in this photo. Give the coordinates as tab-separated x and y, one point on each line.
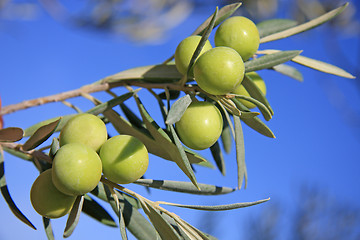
239	33
125	159
240	90
219	70
84	128
185	51
76	169
47	200
200	126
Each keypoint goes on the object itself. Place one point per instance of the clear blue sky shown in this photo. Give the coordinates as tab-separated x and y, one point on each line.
316	142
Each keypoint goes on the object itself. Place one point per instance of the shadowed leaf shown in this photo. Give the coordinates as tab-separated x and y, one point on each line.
74	216
272	26
173	94
48	229
305	26
11	134
184	187
6	194
96	211
218	157
41	135
32	129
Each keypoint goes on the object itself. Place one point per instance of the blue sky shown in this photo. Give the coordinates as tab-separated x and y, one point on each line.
315	143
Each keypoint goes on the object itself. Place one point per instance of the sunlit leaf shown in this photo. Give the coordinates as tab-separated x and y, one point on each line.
48	229
41	135
305	26
240	153
178	109
74	216
275	25
11	134
96	211
264	110
218	207
184	187
226	138
315	64
54	147
162	226
289	71
6	194
270	60
218	157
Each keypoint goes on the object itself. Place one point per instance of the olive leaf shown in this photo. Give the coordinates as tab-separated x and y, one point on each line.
32	129
289	71
305	26
41	135
184	187
11	134
226	138
315	64
178	109
6	194
97	212
270	60
264	110
218	157
240	153
74	216
48	228
275	25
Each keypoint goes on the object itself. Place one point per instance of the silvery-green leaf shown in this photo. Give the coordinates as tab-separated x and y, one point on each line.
74	216
275	25
178	109
48	229
240	153
289	71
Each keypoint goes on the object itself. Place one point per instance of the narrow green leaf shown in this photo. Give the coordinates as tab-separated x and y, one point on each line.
178	109
315	64
165	230
270	60
223	13
305	26
135	222
32	129
184	187
97	212
6	194
162	73
240	153
289	71
226	138
41	135
218	207
132	117
256	93
11	134
184	164
48	229
272	26
54	147
74	216
110	104
218	157
176	151
264	110
204	38
259	126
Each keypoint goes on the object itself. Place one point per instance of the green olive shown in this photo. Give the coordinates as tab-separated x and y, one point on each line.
185	51
219	70
76	169
240	90
84	128
239	33
125	159
47	200
200	126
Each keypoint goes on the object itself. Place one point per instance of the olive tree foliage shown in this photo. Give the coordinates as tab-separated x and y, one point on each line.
170	91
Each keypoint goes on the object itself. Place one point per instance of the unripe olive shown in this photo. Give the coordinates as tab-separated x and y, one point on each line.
47	200
76	169
125	159
200	126
240	90
185	51
239	33
84	128
219	70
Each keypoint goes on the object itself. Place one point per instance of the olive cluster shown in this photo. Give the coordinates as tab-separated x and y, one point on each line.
85	154
217	71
